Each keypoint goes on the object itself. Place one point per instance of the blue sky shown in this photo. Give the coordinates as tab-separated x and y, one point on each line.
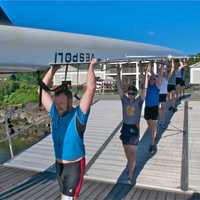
175	24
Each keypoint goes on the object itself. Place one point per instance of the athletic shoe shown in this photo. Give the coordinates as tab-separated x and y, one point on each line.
162	125
129	181
153	149
156	139
170	108
174	110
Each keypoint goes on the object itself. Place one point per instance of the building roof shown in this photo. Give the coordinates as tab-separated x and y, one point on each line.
196	65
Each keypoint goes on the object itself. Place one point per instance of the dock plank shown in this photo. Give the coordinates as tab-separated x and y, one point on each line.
40	156
161	170
194	143
43	186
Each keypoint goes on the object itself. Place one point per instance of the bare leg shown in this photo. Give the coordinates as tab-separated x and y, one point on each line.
153	130
130	151
173	99
162	112
178	92
182	91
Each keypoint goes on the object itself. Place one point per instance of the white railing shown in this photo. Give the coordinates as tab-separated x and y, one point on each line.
9	137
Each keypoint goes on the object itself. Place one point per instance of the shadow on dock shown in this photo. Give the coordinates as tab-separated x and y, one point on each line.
122	188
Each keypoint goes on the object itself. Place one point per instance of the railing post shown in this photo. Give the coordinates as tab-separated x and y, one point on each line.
137	76
8	136
184	168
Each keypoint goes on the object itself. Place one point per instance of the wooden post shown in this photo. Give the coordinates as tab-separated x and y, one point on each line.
8	136
184	168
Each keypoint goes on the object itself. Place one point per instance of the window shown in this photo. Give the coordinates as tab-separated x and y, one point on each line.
129	68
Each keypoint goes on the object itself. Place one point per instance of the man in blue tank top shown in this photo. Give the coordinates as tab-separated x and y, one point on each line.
68	126
151	108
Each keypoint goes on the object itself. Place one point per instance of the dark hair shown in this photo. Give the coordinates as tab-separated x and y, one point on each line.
63	89
132	89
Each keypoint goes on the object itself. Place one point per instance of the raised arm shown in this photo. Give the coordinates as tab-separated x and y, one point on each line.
182	64
151	63
119	83
88	96
146	80
172	69
159	76
161	71
47	80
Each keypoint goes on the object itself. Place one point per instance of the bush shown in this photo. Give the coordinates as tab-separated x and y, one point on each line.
20	93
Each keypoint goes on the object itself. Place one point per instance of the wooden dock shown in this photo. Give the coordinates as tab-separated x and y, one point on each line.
157	177
43	186
194	145
163	170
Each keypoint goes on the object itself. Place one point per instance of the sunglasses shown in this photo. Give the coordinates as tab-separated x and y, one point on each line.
132	93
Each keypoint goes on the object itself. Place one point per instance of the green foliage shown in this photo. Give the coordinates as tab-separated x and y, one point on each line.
26	93
194	59
30	77
19	89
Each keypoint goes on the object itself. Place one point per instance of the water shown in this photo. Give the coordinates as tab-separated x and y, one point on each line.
4	152
23	141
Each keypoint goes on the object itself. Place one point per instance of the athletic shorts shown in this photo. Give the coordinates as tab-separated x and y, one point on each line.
151	113
162	98
171	88
179	81
70	177
129	134
183	83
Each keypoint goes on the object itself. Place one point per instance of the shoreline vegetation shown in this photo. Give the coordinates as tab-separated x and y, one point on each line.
18	89
27	124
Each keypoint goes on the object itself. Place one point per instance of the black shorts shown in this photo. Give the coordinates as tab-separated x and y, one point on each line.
129	134
171	88
183	83
151	113
162	98
70	177
179	81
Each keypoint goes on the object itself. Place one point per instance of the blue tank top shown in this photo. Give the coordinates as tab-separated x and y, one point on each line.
152	96
68	145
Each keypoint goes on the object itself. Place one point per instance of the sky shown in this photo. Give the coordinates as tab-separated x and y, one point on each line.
174	24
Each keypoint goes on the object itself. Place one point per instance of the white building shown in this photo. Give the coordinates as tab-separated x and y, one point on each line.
106	73
195	73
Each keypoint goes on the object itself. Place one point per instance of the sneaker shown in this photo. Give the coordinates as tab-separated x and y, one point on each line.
162	125
129	181
156	139
153	149
170	108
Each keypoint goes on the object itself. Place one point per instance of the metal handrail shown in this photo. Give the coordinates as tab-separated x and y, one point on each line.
22	130
9	137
